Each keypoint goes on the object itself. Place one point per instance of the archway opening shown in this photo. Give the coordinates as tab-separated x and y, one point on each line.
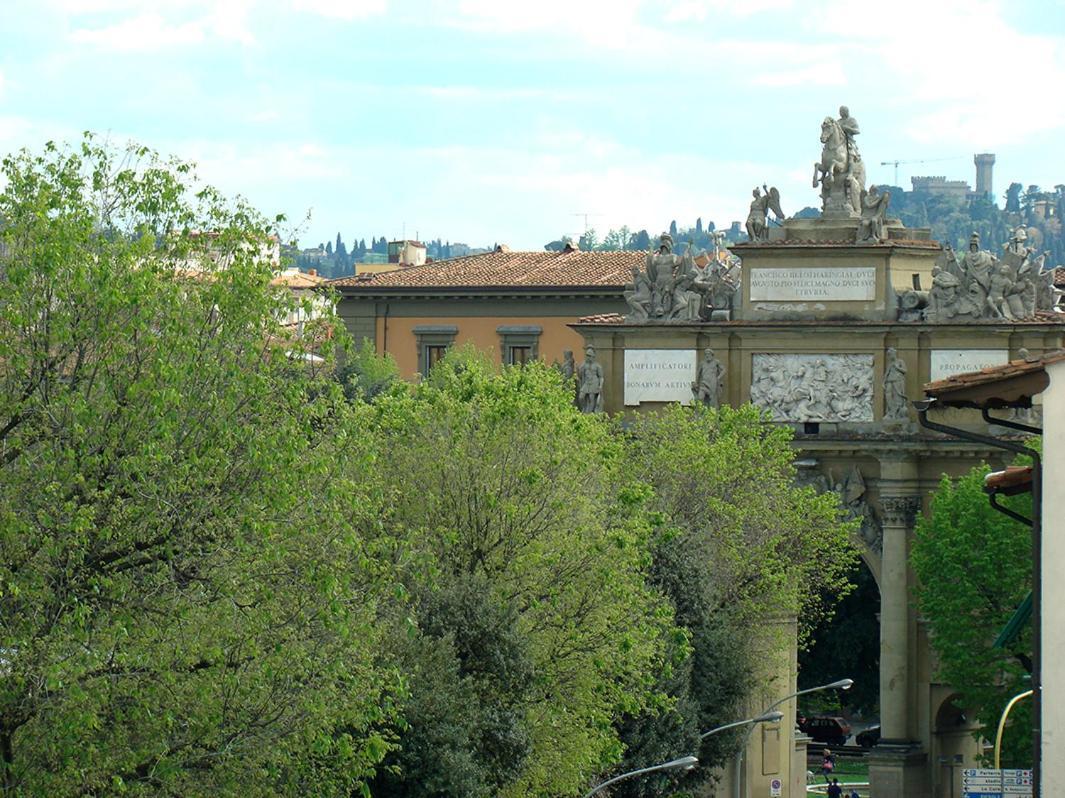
846	645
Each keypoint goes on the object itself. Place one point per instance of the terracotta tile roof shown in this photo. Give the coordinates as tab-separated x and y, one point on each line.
1059	276
503	269
1009	385
602	318
1014	480
297	279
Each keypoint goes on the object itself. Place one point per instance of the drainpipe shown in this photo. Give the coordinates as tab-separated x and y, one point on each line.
1037	547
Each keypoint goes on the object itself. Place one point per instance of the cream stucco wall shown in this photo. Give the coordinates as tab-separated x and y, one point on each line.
1052	627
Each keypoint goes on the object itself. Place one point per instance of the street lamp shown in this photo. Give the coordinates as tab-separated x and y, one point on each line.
839	684
765	717
685	763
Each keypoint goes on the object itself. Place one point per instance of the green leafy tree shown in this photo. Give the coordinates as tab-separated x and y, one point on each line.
974	566
589	241
738	543
500	482
187	606
366	374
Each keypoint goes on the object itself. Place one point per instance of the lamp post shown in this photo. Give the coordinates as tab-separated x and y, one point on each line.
685	763
765	717
839	684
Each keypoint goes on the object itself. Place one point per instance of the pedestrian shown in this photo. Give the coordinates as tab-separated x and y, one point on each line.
828	764
854	793
834	790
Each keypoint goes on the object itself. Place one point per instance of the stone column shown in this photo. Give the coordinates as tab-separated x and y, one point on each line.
898	766
899	514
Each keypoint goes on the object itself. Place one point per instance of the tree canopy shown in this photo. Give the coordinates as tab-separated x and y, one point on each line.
974	567
231	565
176	617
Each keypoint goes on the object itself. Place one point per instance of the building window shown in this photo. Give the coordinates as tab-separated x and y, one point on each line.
434	353
433	341
519	343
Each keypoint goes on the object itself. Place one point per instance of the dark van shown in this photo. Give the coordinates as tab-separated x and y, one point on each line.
826	729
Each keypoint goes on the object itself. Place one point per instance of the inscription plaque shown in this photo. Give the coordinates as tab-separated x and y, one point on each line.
948	362
659	375
802	285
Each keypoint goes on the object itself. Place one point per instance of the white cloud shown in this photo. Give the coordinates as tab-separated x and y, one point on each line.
342	9
608	23
166	26
828	73
700	10
143	33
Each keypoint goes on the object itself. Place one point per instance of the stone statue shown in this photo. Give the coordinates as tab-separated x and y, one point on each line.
840	173
853	499
849	125
686	302
567	368
874	208
853	496
590	384
709	380
944	296
896	404
757	227
639	297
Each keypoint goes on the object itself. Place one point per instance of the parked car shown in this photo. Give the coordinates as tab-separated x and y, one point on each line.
826	729
869	737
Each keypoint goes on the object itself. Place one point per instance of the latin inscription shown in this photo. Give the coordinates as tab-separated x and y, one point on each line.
802	285
659	375
948	362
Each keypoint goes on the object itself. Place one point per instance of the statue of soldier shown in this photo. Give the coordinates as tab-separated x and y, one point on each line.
660	269
709	380
590	384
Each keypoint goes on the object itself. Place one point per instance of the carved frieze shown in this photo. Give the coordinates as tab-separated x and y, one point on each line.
825	387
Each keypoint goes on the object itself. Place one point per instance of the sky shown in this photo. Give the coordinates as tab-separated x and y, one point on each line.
497	121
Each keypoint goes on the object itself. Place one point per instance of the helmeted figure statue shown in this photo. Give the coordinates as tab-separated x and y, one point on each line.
840	173
590	384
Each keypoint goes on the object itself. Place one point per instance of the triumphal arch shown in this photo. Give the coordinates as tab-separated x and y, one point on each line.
832	325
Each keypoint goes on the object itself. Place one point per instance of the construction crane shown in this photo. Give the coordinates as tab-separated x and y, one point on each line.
924	160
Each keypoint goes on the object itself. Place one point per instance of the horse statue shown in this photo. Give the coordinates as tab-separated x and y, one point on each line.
833	154
838	168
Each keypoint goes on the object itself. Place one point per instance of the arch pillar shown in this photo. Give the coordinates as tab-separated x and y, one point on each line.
899	765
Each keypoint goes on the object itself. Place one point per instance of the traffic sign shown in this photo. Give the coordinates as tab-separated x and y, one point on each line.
776	786
994	783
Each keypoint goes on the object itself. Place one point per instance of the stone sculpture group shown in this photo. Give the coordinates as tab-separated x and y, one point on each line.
675	288
979	286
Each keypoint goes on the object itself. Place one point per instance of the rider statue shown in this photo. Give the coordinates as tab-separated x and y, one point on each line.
840	173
